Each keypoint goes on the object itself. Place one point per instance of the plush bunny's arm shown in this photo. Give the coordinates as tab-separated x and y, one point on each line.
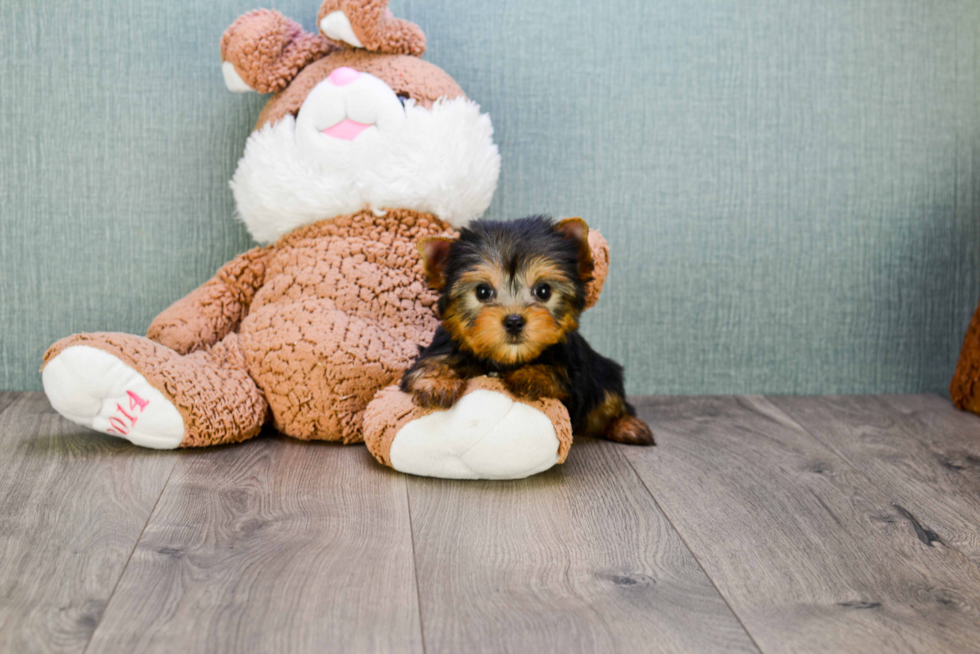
600	258
208	313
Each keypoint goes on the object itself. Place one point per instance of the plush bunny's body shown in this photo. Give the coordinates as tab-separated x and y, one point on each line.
363	150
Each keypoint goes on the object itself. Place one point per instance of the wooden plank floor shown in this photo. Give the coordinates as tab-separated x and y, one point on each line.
786	524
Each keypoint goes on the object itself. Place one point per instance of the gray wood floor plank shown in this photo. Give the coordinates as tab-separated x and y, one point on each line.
72	506
7	398
917	466
578	559
271	545
953	435
810	554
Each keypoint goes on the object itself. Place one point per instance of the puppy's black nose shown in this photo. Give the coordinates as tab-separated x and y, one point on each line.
514	324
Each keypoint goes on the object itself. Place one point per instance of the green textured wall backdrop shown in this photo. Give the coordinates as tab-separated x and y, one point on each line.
790	187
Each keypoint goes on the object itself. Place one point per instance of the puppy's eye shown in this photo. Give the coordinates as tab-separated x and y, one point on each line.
542	292
484	292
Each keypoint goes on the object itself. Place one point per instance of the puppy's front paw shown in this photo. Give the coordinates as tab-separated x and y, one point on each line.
534	382
438	392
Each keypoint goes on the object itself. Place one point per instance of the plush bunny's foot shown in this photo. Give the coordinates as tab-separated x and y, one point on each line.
94	389
487	434
140	390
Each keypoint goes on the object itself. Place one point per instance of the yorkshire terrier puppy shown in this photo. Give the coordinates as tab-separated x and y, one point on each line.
510	297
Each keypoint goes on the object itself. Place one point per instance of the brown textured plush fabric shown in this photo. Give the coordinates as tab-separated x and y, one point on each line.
313	325
268	49
391	410
376	28
309	329
213	310
600	258
964	389
341	314
211	388
420	80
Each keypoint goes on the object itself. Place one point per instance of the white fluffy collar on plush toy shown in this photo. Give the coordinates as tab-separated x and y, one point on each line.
297	171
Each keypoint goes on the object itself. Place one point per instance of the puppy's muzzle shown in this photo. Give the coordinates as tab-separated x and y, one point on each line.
514	324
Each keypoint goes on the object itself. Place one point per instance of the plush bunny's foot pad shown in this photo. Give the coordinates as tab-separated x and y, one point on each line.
94	389
487	434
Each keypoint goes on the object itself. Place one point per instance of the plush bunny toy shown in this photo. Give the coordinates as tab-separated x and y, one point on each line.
363	149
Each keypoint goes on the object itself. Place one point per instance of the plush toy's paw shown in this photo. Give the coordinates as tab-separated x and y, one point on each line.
92	388
487	434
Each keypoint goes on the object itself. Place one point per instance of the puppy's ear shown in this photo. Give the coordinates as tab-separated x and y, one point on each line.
577	230
435	252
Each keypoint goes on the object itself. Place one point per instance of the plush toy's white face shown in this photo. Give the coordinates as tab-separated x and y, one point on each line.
349	117
356	144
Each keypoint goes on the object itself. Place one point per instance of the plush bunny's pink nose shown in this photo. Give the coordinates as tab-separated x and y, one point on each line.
343	76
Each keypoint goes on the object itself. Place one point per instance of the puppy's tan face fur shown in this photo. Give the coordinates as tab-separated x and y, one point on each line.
492	292
510	290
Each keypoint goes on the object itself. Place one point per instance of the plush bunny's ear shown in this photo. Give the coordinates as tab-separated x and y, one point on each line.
577	230
370	25
435	253
263	51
